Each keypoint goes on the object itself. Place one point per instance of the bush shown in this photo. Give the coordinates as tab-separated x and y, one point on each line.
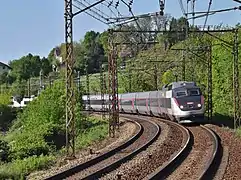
92	130
39	132
40	128
7	115
5	98
18	169
4	151
239	131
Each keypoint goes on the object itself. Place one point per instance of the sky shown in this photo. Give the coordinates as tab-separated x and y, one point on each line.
34	26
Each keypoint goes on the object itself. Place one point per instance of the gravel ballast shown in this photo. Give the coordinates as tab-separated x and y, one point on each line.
149	131
127	130
232	152
193	165
160	151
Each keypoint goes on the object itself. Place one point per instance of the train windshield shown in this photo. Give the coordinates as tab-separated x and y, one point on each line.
193	92
187	92
181	93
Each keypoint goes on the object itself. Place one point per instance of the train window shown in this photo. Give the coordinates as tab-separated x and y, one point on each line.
141	102
193	92
181	93
126	102
154	102
95	102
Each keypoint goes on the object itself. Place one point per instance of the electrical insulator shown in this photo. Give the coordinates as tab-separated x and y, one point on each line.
110	3
117	4
131	2
162	4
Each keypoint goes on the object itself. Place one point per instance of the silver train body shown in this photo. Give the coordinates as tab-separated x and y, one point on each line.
178	101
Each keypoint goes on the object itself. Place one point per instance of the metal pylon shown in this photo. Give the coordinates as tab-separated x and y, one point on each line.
210	102
70	98
102	89
87	84
113	87
236	97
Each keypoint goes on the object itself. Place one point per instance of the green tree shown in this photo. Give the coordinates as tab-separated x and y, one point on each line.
29	66
180	24
46	66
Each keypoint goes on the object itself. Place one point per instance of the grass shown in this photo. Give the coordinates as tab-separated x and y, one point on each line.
97	132
19	169
239	132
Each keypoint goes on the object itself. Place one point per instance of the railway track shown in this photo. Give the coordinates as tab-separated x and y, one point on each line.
175	160
171	141
198	142
147	134
199	160
194	154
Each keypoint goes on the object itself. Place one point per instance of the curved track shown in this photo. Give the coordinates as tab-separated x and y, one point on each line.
197	161
97	159
148	132
171	141
212	165
167	167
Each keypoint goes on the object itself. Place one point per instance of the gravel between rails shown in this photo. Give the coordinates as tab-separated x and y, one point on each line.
127	130
192	167
161	150
232	143
149	131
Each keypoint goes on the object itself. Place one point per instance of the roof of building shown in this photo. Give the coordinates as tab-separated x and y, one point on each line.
2	64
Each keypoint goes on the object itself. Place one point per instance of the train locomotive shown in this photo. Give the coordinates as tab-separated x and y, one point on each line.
178	101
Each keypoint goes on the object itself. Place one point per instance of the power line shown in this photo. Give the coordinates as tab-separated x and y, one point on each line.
206	19
98	19
96	9
219	10
182	7
100	15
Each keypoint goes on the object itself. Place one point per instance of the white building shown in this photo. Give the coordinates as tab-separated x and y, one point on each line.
4	68
24	101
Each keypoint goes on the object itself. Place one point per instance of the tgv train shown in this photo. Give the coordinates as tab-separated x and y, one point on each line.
179	101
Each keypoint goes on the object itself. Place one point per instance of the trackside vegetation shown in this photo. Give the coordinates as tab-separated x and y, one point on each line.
239	132
37	137
7	115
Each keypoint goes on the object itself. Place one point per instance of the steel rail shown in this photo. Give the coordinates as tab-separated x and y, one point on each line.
164	170
209	170
161	172
127	157
97	159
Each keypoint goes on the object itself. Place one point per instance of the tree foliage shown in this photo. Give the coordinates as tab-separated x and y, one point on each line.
43	117
26	67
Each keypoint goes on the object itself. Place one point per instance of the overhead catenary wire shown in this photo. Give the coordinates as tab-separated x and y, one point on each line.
203	13
182	7
98	19
104	14
130	10
98	14
207	14
109	5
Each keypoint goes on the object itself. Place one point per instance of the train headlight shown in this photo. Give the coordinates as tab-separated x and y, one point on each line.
181	107
199	105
